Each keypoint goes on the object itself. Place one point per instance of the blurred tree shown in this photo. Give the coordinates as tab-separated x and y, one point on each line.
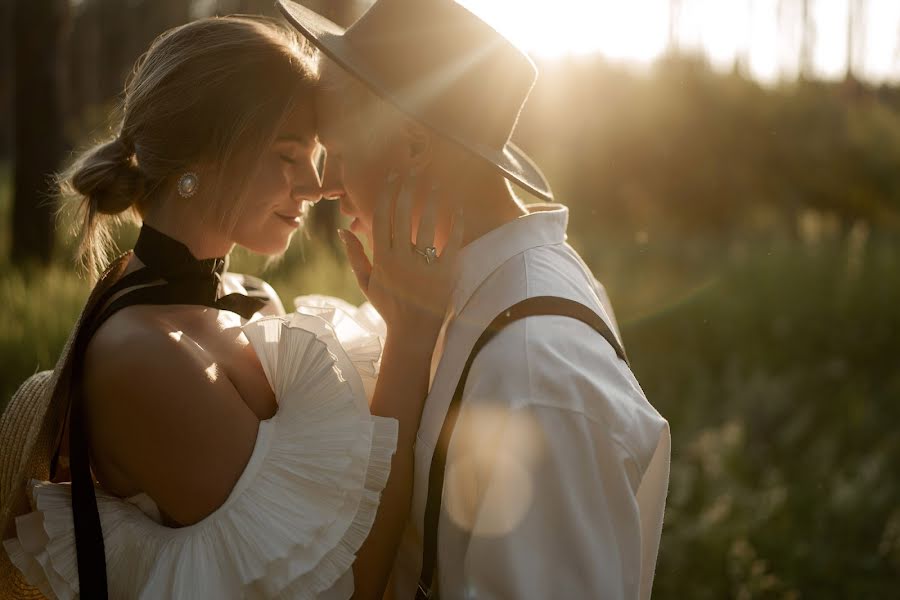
40	30
807	42
741	64
84	59
6	80
115	44
856	38
675	7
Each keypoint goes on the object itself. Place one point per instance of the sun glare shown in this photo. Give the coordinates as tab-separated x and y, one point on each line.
634	31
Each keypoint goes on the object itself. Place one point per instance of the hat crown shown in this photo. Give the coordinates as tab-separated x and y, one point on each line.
446	65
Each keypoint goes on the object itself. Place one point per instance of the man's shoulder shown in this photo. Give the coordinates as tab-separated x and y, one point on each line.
562	365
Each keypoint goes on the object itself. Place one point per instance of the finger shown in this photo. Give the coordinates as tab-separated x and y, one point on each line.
381	218
455	240
356	255
428	220
402	213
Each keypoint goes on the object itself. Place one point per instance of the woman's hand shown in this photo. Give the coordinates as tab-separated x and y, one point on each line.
409	292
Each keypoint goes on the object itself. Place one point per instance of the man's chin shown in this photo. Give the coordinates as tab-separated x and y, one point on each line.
357	227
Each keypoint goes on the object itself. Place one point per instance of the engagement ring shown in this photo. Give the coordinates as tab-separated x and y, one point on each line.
430	253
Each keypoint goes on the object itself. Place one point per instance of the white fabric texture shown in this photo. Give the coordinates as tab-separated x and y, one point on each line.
299	512
558	468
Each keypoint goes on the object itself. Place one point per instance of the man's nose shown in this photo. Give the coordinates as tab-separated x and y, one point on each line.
332	187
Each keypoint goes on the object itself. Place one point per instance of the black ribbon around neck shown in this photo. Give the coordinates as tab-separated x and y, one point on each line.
188	280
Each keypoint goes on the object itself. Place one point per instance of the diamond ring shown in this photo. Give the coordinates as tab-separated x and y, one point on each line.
430	253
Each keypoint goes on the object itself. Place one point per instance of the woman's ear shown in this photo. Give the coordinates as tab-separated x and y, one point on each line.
419	144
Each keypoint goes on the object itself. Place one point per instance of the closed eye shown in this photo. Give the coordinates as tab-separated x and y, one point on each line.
288	160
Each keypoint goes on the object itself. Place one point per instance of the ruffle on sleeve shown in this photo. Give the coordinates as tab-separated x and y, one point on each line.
360	330
294	521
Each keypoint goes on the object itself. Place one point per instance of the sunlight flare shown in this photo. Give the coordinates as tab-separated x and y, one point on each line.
634	31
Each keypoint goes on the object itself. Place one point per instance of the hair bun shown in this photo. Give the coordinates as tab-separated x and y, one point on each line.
109	177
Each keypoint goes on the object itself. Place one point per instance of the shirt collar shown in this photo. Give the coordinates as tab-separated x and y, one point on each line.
544	224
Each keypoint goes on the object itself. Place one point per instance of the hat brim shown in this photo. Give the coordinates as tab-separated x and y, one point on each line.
328	37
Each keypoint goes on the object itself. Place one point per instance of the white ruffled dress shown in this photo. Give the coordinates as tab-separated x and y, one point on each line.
301	508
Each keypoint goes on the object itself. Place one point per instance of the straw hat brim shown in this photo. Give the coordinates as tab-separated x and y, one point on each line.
28	436
328	37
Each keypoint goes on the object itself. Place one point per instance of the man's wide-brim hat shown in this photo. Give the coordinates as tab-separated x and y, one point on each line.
442	66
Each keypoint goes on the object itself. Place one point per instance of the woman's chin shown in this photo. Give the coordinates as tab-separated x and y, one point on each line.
276	243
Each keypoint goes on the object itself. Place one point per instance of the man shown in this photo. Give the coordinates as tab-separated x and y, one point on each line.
541	468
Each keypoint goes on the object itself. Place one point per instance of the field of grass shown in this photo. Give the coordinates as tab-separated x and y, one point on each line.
775	362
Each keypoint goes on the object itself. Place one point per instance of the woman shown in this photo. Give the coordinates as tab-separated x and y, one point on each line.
234	449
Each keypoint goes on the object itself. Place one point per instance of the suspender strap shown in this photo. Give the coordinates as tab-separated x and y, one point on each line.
89	546
531	307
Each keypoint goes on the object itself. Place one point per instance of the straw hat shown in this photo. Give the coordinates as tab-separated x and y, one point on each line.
442	66
30	432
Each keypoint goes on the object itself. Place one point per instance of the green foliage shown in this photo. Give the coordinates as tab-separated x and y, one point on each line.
780	383
38	311
685	150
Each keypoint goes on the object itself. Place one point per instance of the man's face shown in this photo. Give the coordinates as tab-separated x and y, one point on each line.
356	167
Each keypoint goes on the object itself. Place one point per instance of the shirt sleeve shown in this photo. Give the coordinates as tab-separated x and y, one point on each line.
542	485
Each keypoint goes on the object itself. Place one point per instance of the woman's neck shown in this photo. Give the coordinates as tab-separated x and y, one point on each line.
179	219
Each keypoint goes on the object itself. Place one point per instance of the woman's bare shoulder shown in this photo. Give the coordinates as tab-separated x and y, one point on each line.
160	409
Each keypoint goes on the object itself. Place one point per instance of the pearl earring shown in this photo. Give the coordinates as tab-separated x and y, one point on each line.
188	184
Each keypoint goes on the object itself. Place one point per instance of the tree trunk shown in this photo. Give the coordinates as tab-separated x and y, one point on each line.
673	45
807	43
6	82
40	28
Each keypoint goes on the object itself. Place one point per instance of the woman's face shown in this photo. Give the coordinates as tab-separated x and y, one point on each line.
284	182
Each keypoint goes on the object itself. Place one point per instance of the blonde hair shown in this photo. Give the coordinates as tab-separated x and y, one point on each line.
214	91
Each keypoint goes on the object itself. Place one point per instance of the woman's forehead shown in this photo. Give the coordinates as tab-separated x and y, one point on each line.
299	125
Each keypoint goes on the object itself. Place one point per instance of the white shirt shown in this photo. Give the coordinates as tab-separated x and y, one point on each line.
558	467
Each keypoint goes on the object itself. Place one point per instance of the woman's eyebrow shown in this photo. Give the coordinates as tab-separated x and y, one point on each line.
292	138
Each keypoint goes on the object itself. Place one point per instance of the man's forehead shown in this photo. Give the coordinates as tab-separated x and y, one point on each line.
330	118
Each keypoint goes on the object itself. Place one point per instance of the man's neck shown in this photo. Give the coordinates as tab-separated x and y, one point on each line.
488	209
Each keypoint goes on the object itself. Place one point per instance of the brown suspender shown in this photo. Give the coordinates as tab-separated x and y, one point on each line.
531	307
